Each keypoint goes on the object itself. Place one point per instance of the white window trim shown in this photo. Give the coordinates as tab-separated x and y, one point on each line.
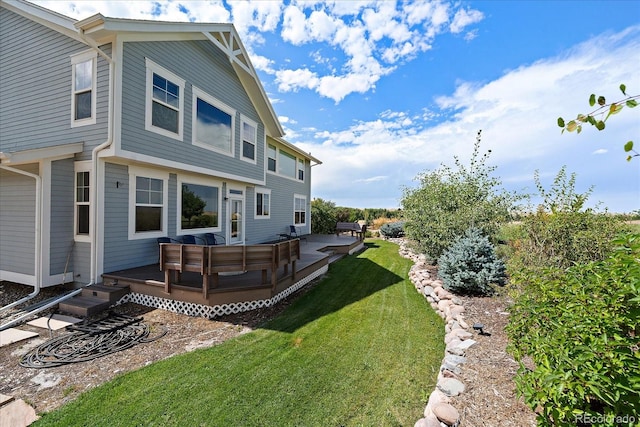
185	179
304	169
152	68
199	93
306	213
84	166
78	58
147	173
293	154
260	190
247	120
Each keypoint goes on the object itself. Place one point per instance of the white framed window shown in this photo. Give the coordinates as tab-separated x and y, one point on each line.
286	164
299	209
164	112
147	204
249	136
272	155
301	169
199	205
83	88
213	123
82	202
263	203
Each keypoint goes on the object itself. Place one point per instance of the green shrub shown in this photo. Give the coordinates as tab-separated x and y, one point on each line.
323	216
470	265
561	233
449	201
392	229
580	331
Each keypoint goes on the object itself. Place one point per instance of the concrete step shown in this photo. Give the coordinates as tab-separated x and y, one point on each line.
105	292
85	306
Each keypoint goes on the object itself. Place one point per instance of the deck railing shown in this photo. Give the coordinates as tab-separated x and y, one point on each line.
176	258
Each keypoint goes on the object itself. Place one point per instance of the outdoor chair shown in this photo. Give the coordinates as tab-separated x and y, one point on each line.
189	239
212	239
293	232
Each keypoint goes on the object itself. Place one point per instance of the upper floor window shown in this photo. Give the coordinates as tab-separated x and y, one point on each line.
249	137
287	164
165	101
83	89
271	162
213	123
301	169
263	203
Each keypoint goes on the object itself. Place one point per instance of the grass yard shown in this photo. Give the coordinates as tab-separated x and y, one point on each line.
361	348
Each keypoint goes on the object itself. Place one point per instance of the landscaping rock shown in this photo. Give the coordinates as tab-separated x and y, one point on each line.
446	413
450	386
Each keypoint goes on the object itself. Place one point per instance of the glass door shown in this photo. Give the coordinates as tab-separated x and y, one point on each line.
236	213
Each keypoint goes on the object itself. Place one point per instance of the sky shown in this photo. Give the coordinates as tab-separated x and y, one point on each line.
383	91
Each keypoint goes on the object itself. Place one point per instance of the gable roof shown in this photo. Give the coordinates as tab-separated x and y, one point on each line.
224	36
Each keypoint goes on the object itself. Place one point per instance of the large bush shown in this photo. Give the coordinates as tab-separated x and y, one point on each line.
449	201
323	216
470	266
392	229
581	332
562	232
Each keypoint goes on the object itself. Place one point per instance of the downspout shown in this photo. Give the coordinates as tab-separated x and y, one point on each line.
38	242
94	159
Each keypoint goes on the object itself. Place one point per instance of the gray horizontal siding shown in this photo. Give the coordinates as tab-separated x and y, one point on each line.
81	261
35	106
62	218
199	63
17	221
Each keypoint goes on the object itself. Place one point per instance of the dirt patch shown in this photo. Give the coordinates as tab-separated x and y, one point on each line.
489	399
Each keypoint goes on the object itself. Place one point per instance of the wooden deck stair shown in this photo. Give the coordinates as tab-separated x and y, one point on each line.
93	300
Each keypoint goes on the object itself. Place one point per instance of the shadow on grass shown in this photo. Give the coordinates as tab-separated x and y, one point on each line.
348	281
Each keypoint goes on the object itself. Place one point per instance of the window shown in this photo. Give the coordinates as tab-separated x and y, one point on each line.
301	169
249	137
199	207
82	201
165	101
299	210
213	123
83	89
263	203
271	162
148	204
287	164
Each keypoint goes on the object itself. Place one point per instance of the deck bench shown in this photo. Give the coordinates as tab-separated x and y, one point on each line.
352	227
213	260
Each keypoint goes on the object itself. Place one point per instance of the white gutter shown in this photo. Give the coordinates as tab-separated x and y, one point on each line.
37	263
94	159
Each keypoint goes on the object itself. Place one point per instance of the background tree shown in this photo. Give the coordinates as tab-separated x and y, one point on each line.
323	216
599	116
450	201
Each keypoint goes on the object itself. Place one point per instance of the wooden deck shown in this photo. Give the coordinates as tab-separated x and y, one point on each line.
235	292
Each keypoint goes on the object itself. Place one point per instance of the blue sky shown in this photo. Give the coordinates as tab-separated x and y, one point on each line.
383	91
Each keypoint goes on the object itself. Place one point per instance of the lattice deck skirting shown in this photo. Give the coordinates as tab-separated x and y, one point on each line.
199	310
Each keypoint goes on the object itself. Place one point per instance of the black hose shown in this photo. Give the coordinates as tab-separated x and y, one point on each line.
90	341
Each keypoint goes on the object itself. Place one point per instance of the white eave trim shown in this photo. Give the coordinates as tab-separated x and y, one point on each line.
298	150
30	156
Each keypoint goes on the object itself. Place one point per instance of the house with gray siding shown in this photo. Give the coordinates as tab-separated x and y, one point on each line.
116	132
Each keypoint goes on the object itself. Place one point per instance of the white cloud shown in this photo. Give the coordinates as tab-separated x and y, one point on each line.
600	151
464	18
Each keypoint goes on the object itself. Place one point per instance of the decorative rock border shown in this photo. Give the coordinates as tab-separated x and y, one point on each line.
439	412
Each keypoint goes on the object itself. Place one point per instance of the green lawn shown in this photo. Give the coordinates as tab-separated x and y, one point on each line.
362	348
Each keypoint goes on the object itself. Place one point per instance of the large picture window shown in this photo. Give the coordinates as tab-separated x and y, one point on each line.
165	101
199	207
299	210
287	164
83	92
213	123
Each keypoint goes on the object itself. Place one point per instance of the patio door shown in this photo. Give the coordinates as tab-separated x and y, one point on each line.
236	217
